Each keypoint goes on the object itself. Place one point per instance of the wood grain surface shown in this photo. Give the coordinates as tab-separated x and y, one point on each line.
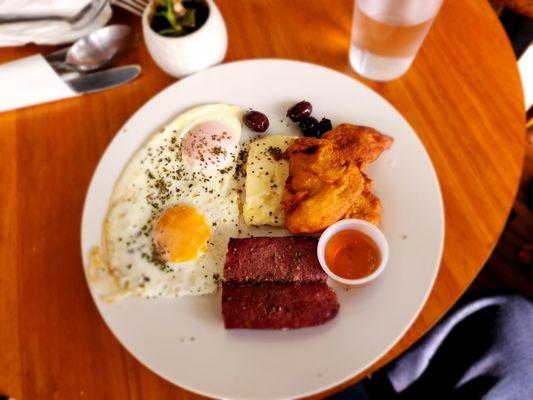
462	96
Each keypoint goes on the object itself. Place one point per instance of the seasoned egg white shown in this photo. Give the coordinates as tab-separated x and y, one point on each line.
188	166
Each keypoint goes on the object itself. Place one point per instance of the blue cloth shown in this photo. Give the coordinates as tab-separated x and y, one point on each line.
483	349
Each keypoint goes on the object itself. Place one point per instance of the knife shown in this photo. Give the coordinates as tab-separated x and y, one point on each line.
109	78
57	56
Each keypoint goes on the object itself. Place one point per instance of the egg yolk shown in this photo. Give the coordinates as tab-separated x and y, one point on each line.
180	234
209	144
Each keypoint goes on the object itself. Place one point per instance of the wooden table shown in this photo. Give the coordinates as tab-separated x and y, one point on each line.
462	96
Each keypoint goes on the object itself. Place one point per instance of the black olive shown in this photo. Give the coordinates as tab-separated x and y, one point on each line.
299	111
324	126
256	121
309	126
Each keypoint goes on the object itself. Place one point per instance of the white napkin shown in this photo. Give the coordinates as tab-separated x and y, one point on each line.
46	32
29	81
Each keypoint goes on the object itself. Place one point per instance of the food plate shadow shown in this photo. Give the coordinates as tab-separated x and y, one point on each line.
281	336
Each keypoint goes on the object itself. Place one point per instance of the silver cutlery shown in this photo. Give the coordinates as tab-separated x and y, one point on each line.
134	6
79	21
101	80
57	56
95	50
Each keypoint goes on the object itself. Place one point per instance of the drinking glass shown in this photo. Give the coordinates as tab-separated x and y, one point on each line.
386	35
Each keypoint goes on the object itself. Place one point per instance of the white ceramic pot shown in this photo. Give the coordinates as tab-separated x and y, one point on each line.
181	56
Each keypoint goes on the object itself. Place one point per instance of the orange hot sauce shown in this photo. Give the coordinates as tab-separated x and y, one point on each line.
351	254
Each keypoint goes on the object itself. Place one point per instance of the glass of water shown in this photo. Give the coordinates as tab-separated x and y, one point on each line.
386	35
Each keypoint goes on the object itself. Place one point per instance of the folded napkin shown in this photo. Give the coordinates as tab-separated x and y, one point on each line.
46	32
29	81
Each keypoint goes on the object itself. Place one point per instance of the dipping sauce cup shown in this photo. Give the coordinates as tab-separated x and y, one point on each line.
353	252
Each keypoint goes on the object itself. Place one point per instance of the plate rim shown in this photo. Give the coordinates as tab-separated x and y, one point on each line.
440	211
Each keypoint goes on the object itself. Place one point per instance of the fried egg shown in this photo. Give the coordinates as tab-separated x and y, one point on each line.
173	210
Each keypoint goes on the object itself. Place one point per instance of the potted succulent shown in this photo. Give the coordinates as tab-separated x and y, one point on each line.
184	36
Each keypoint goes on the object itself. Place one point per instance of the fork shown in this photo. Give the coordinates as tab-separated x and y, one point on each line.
134	6
79	21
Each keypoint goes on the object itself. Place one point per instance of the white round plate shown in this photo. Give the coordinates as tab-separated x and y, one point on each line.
184	339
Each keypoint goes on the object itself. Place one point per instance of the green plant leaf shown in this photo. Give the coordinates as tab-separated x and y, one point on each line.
171	17
189	19
166	22
167	32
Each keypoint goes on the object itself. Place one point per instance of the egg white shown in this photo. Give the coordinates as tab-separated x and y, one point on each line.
157	178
